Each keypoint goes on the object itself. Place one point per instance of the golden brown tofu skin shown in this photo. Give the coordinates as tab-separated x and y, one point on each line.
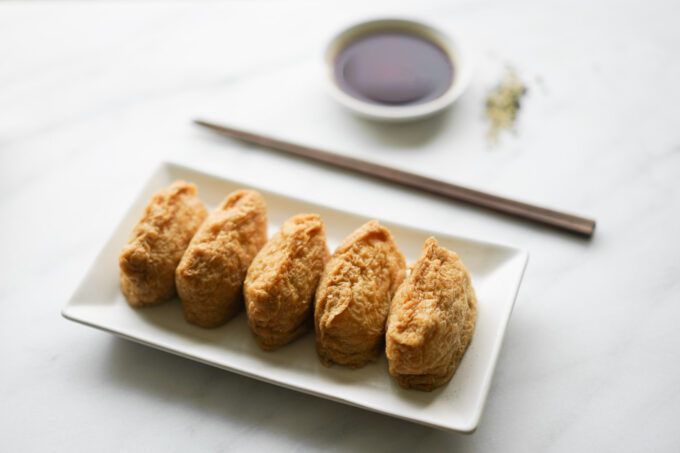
431	320
281	281
354	294
147	263
210	275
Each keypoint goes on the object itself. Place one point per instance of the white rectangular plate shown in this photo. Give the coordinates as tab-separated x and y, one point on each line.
496	272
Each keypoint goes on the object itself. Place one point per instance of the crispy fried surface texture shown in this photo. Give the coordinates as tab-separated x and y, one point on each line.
431	320
353	297
282	279
210	275
147	263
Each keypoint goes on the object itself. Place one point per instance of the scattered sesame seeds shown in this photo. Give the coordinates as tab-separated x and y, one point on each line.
503	104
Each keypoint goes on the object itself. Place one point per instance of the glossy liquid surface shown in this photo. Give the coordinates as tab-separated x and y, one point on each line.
393	68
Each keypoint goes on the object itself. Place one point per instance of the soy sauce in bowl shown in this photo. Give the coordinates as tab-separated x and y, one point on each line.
393	68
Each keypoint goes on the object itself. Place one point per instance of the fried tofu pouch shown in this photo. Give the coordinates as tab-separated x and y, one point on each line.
431	320
210	275
281	281
354	294
147	263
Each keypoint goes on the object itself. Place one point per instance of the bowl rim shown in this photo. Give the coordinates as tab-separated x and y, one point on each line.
450	45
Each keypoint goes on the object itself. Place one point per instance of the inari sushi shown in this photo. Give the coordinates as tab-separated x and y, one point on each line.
354	294
282	279
210	275
147	263
431	320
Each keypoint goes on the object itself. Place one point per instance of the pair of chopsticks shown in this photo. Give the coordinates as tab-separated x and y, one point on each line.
567	222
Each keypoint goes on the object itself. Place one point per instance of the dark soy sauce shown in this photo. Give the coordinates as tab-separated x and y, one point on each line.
393	68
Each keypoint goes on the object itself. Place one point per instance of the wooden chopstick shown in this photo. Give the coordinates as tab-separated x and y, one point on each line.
560	220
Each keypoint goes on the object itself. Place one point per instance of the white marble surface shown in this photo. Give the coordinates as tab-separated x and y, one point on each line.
94	95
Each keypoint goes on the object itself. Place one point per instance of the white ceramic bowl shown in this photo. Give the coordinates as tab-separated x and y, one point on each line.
398	113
